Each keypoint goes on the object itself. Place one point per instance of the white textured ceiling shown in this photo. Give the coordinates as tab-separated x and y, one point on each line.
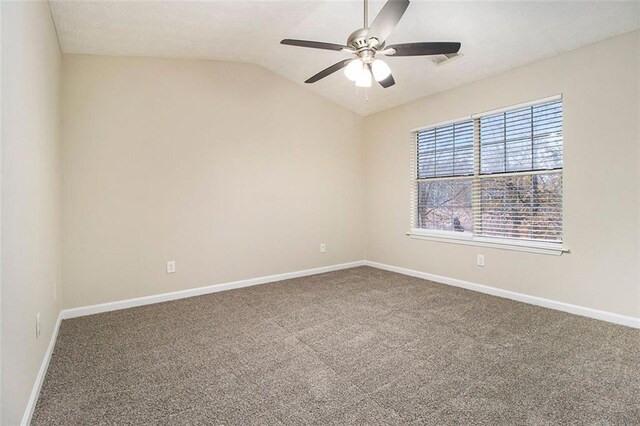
495	37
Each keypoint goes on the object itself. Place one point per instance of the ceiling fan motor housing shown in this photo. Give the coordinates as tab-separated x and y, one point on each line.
365	48
358	39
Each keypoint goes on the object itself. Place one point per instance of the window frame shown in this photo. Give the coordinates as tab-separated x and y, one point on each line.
470	238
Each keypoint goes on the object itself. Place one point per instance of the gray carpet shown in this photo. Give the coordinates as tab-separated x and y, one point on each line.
359	346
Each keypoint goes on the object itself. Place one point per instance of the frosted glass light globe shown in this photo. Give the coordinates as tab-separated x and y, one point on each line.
354	69
380	70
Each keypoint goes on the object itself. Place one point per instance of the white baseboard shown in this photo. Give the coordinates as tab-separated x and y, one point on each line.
520	297
147	300
165	297
35	392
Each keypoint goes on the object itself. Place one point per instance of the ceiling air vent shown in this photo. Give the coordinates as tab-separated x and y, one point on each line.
445	59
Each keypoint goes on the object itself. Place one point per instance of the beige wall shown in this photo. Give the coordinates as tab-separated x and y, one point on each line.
226	168
600	87
31	64
146	140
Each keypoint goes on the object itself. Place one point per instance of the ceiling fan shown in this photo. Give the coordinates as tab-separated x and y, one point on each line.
366	42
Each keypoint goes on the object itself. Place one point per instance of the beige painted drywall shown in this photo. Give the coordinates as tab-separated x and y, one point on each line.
601	93
31	65
226	168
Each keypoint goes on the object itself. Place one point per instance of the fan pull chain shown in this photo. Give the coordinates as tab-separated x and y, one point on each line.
366	93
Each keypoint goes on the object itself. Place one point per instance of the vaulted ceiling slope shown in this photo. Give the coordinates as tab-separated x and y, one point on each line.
495	36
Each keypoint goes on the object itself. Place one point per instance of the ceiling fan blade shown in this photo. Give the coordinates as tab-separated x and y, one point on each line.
424	48
387	19
313	44
387	82
328	71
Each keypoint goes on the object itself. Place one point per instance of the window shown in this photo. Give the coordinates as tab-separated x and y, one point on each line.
495	178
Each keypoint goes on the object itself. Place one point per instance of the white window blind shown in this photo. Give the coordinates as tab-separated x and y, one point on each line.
494	176
444	169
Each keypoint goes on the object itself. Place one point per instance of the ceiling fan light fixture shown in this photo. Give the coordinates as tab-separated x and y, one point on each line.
370	40
364	79
380	69
354	69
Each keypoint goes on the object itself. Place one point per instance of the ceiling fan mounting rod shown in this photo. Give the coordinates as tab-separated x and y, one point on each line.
366	14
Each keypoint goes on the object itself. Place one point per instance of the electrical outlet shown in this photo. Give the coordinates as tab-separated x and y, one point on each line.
323	248
480	260
37	325
171	266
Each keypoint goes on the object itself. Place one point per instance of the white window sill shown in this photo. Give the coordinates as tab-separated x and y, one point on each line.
505	244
